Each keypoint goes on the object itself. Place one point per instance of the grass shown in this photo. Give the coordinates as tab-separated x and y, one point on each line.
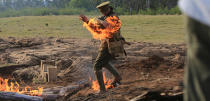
156	29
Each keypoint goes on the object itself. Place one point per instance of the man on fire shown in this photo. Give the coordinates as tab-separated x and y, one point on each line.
107	30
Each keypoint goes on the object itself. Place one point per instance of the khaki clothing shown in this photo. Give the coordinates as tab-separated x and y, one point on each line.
114	44
104	57
197	72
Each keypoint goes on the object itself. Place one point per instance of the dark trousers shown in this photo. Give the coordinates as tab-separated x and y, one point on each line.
102	60
197	71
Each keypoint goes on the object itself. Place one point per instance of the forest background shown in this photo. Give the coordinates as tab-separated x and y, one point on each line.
14	8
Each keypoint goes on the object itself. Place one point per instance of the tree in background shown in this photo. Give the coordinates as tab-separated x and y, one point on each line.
59	7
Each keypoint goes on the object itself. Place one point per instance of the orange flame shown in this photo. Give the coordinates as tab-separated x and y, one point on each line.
95	26
95	85
15	87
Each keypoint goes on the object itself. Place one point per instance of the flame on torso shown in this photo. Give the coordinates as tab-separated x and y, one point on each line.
95	26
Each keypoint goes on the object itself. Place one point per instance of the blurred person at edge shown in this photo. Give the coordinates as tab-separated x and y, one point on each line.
197	71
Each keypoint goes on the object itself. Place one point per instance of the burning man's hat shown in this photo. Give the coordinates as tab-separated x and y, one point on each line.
103	5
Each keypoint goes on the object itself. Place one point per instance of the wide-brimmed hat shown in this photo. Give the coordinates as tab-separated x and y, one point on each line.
103	5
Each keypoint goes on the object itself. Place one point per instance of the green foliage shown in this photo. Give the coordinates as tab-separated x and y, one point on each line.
160	11
84	7
9	13
42	12
71	11
175	10
121	11
10	8
85	4
150	12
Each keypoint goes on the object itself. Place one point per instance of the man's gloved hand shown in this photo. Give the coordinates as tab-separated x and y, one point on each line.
84	18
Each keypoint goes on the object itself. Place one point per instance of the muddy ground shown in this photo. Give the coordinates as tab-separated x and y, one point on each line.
147	67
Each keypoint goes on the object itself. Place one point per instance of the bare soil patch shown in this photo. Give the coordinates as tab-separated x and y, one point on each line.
148	67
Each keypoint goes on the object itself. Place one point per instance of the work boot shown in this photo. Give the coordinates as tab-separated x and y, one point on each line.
116	81
100	80
118	78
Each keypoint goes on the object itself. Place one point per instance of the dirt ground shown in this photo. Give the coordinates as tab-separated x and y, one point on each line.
147	67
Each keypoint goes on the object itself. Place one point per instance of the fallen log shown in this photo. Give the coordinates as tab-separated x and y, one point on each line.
8	69
69	94
12	96
156	95
63	93
51	94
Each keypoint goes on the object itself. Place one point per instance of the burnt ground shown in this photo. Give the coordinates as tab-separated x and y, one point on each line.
148	67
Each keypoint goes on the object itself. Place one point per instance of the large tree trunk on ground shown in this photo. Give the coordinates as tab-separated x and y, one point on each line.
10	96
156	95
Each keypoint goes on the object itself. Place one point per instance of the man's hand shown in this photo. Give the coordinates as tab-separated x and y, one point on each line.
83	18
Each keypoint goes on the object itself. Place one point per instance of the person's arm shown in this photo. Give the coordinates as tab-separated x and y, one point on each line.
103	23
84	18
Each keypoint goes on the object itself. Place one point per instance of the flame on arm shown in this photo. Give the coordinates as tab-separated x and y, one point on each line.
111	25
